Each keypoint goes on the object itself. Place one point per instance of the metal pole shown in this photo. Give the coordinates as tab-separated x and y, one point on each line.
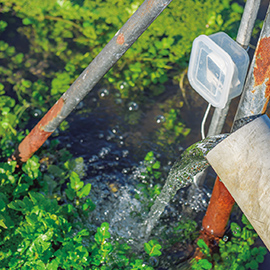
111	53
243	38
254	101
256	95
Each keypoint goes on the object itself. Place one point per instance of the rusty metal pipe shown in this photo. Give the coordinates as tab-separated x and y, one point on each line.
254	101
118	45
243	38
242	162
256	94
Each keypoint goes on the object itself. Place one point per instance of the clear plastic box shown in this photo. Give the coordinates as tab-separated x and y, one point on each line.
217	68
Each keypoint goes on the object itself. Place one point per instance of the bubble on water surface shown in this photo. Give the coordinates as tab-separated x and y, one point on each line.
100	135
68	145
122	85
125	153
103	92
160	119
37	113
115	130
133	106
225	238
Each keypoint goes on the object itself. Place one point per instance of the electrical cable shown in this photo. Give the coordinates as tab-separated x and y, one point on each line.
204	120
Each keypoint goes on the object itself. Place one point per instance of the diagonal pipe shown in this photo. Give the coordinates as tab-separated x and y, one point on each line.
118	45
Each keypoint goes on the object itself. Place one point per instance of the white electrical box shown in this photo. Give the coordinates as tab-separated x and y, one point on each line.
217	68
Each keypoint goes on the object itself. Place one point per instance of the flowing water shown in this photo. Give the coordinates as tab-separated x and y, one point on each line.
113	152
182	173
114	191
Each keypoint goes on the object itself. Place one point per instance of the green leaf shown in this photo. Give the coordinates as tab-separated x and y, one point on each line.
246	222
102	233
237	8
203	246
27	21
21	188
56	171
17	205
205	264
254	251
262	250
84	191
253	264
2	222
75	181
2	205
149	156
260	258
236	229
70	194
89	205
53	265
156	165
152	248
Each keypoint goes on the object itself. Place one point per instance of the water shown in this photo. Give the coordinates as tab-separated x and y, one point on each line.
114	176
182	173
113	152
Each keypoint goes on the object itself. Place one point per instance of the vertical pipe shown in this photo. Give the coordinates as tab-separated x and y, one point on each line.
242	162
118	45
218	211
243	38
221	202
256	95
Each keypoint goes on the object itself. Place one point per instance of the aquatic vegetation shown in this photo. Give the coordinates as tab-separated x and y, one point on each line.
235	252
48	43
172	129
45	206
43	228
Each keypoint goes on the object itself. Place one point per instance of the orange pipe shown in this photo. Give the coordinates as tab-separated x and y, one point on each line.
218	212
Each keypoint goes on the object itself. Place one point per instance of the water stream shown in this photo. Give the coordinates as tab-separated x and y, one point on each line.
182	173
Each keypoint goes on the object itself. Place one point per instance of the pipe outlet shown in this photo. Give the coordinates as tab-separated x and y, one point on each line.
242	161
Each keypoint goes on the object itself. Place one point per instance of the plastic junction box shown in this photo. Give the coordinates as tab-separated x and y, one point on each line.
217	68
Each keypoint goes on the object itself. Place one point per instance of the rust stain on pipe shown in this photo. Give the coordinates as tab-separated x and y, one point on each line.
120	39
218	211
35	139
150	4
262	67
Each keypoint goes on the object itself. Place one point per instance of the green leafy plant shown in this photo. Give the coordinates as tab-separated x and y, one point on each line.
237	253
41	230
152	248
186	230
62	37
173	129
44	205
